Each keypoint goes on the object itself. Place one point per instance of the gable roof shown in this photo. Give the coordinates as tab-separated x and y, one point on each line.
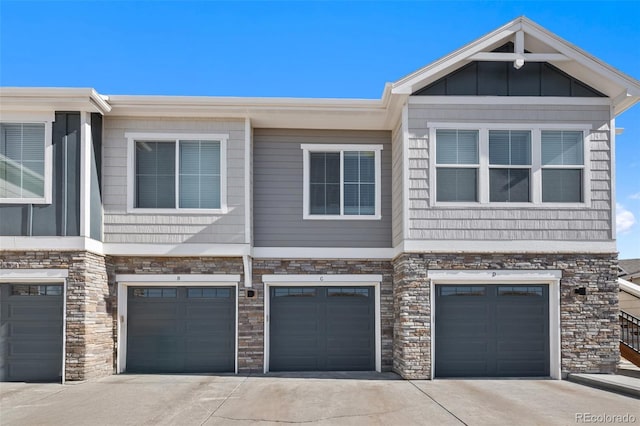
629	266
545	46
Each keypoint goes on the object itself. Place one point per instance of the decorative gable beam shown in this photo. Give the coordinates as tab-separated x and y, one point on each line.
511	57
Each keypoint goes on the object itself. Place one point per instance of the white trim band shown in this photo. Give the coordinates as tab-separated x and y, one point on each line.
322	253
496	246
34	274
177	279
321	279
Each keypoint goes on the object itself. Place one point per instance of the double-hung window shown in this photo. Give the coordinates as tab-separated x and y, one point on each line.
341	181
562	166
177	172
25	162
457	164
509	165
537	164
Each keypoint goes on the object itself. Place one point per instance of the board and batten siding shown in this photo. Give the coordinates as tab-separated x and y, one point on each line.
495	222
278	188
121	226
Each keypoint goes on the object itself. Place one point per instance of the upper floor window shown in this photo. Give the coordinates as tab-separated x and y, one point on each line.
181	172
562	166
341	181
457	165
25	162
509	165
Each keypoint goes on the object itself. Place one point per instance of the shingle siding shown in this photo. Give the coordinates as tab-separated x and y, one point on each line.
429	222
123	227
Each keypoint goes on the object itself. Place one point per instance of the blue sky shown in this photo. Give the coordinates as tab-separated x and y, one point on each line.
299	49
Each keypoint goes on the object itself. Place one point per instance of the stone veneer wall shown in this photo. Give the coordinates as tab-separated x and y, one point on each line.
89	337
589	324
325	267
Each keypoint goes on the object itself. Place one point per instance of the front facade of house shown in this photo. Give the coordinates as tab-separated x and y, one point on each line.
460	226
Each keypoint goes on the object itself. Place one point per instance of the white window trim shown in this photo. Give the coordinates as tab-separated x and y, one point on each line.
314	280
308	148
36	118
133	137
165	280
495	277
535	168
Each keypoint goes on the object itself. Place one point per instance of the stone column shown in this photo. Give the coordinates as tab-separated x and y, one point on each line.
412	309
89	339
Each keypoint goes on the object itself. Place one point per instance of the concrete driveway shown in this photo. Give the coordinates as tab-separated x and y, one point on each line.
353	399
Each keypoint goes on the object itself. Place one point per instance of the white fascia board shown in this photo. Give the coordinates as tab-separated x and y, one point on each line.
490	276
629	287
33	274
589	61
178	278
505	100
321	279
321	253
181	250
497	246
53	98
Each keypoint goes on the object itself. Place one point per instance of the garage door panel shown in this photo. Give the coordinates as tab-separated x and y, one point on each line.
505	328
35	370
525	346
534	327
464	328
181	329
333	330
524	368
355	345
295	363
35	349
28	329
148	326
520	311
348	363
461	367
24	310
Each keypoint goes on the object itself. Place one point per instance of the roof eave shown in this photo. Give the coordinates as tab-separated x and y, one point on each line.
53	98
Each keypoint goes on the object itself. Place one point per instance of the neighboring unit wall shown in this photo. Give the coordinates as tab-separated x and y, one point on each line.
630	303
500	222
278	192
330	267
62	216
89	325
121	226
588	324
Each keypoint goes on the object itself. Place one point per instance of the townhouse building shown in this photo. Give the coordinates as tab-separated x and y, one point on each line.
462	225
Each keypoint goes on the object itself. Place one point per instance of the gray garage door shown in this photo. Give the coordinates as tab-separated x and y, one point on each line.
181	329
31	332
492	331
322	328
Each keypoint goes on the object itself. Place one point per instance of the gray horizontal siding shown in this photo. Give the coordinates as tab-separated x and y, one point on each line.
396	186
429	222
277	192
123	227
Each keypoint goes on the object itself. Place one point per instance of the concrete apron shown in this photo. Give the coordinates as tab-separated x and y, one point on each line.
338	398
